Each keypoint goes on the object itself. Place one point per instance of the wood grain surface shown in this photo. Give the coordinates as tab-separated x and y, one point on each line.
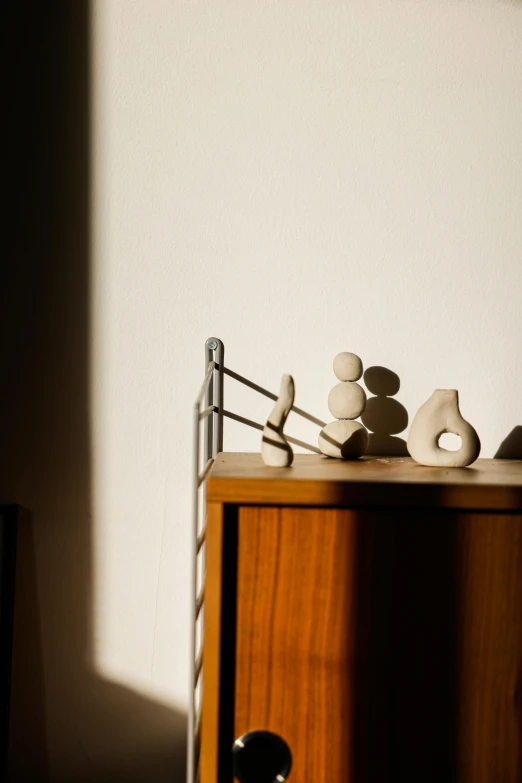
382	645
489	640
295	635
315	480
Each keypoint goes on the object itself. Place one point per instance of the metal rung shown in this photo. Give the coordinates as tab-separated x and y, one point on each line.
198	667
200	540
199	602
204	473
204	385
207	412
197	727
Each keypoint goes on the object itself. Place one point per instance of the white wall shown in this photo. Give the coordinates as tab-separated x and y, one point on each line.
298	179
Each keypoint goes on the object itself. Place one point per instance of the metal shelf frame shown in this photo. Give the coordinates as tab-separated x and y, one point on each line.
209	410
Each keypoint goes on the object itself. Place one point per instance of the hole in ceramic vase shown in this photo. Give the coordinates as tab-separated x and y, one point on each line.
450	442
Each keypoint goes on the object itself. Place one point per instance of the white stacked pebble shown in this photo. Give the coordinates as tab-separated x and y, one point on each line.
345	438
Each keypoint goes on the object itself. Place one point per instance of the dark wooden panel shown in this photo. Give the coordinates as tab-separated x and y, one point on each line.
490	648
383	646
314	480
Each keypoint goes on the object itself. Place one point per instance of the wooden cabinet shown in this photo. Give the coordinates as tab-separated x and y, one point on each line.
369	613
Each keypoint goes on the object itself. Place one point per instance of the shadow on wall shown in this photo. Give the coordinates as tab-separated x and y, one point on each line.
384	416
511	447
94	730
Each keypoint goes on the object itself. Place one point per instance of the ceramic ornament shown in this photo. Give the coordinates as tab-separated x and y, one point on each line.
275	449
345	438
347	400
347	366
438	415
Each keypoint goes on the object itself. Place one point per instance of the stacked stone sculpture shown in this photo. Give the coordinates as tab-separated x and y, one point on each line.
345	438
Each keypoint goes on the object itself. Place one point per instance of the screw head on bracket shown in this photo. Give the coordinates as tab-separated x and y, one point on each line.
212	345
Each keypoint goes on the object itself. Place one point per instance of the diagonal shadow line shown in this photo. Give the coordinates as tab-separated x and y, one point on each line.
255	425
277	444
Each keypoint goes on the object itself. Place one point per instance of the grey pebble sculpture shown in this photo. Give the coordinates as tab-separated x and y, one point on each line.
275	449
436	416
345	438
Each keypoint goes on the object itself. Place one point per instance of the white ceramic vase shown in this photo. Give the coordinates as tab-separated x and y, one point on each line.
438	415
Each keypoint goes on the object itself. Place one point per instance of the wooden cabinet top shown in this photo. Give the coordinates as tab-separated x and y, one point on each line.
242	478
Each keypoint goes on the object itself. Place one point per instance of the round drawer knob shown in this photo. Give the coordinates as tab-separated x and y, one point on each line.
261	757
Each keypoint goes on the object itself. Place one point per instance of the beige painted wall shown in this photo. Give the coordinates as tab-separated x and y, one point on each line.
298	179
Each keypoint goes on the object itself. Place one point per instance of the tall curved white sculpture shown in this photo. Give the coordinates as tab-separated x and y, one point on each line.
275	449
